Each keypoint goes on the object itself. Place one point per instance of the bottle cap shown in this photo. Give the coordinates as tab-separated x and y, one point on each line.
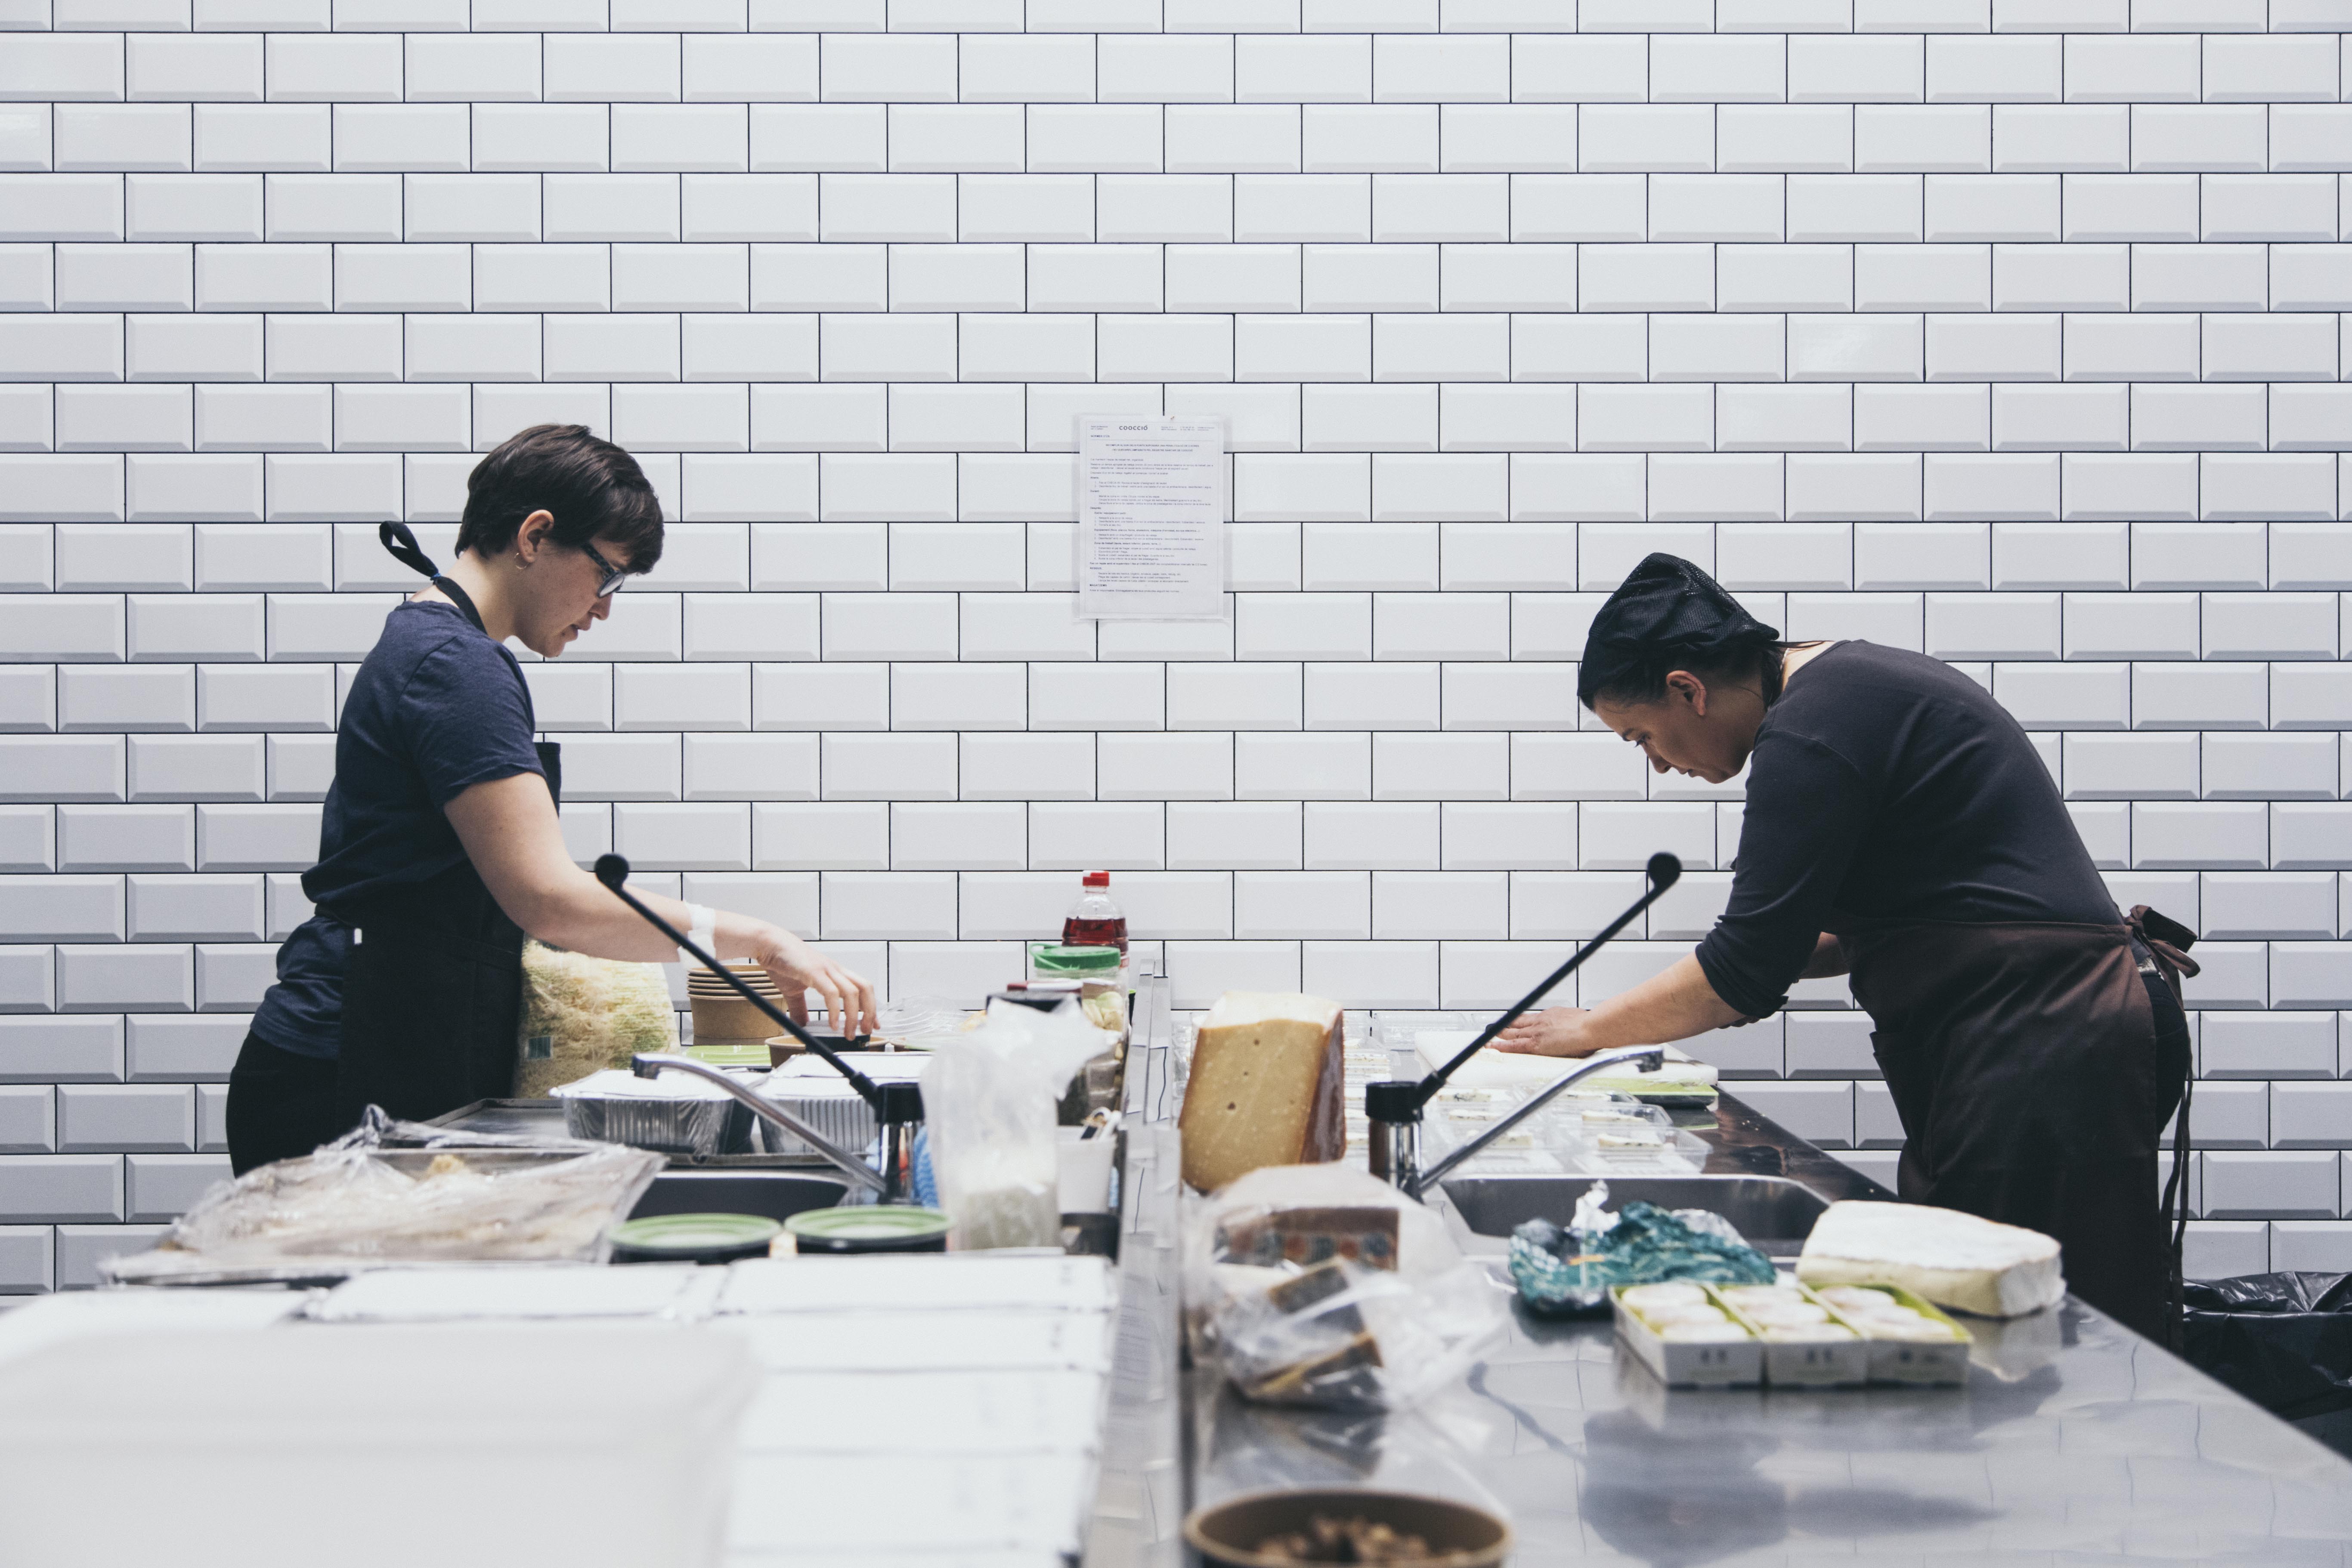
1095	880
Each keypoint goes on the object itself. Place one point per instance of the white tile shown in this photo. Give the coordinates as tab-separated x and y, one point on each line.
2269	767
812	837
2270	1185
1165	767
1302	767
2267	1046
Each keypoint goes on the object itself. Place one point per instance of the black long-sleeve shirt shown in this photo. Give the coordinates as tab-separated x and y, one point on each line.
1886	787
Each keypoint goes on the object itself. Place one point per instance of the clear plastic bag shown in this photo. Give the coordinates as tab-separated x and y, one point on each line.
988	1107
394	1192
1317	1284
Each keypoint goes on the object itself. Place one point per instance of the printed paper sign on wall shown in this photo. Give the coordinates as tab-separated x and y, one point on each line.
1151	542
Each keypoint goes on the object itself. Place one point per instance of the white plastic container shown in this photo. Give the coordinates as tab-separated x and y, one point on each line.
1896	1360
1838	1359
378	1446
1679	1364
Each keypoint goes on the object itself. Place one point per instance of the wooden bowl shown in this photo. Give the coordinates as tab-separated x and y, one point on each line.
1459	1535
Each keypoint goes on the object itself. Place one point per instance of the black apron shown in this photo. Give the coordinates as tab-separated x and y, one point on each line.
2034	1066
433	992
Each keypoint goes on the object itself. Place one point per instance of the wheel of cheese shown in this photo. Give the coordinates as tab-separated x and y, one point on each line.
1951	1259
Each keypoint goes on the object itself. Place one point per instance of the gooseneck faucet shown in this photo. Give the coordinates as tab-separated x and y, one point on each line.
898	1106
1393	1108
647	1064
1644	1057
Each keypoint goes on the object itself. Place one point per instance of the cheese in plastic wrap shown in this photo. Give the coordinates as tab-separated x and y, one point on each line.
1317	1285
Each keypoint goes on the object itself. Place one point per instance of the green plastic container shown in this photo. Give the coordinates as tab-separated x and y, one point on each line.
1057	963
885	1227
693	1237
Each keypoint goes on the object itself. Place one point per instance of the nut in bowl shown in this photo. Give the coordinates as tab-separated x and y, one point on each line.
1347	1524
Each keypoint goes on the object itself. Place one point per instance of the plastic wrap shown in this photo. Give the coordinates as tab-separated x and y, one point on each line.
390	1192
988	1105
2283	1341
1317	1284
1570	1271
580	1014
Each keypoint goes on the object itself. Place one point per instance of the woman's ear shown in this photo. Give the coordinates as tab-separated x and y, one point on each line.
1684	687
531	537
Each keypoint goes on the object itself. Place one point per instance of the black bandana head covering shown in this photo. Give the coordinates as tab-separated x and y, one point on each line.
1666	611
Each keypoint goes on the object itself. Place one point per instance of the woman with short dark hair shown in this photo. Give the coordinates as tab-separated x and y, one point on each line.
1901	827
440	846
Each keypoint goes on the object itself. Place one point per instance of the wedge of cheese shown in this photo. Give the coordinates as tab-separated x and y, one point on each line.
1265	1087
1953	1259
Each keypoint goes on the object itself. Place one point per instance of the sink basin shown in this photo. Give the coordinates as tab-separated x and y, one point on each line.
1773	1212
774	1195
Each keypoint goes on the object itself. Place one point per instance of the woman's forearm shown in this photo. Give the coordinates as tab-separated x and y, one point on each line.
514	840
582	915
511	833
1673	1005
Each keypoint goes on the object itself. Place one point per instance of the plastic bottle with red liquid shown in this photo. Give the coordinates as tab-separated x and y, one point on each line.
1094	921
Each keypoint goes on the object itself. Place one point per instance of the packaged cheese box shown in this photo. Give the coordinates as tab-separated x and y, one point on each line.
1910	1339
1685	1338
1804	1344
1265	1087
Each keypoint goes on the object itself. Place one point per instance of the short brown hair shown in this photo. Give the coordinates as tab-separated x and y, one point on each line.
589	485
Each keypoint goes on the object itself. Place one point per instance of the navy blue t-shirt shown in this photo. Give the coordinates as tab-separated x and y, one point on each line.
436	709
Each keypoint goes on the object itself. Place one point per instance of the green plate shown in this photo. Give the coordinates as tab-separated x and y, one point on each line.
695	1234
869	1228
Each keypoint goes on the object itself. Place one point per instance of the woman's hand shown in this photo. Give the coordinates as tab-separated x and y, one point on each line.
798	969
1554	1032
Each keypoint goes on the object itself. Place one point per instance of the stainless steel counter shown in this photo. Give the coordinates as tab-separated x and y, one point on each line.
2074	1442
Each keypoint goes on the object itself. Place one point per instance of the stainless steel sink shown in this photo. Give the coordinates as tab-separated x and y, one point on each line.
776	1194
1773	1212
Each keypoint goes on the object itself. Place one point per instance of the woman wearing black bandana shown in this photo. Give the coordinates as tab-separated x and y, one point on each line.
1901	829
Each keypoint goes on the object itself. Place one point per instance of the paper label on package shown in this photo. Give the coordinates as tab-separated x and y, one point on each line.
1152	530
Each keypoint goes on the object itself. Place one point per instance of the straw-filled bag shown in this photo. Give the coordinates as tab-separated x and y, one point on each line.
582	1014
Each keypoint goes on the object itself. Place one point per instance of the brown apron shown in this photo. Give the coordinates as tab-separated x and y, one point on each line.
2034	1067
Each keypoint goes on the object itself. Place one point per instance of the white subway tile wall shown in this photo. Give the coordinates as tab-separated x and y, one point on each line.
2008	333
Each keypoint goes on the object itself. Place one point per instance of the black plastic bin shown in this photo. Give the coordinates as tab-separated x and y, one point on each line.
2283	1341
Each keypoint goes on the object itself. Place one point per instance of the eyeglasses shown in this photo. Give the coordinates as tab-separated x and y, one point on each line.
615	576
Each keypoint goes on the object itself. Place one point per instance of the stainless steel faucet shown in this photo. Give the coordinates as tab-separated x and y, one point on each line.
1647	1058
646	1063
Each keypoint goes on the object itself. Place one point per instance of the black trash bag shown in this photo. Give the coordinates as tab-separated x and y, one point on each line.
2283	1341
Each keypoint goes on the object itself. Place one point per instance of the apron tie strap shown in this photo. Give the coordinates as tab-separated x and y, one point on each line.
2164	940
403	547
2168	940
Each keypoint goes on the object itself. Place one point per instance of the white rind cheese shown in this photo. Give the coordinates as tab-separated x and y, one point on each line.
1953	1259
1265	1087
